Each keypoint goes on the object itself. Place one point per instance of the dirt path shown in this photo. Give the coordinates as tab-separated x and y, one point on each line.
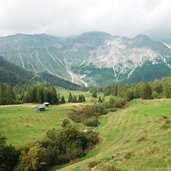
34	105
71	104
23	105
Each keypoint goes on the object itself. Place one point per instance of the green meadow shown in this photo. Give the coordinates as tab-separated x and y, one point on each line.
137	137
22	124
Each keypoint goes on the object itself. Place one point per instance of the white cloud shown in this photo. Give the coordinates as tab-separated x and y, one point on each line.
67	17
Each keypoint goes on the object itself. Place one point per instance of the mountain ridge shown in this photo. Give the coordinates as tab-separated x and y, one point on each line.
90	58
13	74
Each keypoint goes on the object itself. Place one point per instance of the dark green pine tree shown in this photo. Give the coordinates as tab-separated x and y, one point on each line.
49	96
40	93
54	96
100	100
70	98
79	98
33	94
46	95
1	93
94	94
167	87
83	99
145	92
74	99
9	95
27	98
62	100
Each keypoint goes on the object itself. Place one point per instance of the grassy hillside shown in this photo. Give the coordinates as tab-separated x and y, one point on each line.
135	138
22	124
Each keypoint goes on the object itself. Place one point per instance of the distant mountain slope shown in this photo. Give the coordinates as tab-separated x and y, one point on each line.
11	73
37	53
92	57
54	80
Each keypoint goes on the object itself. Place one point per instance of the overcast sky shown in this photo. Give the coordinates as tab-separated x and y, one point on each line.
70	17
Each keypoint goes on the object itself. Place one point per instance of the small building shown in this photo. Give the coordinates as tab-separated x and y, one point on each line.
46	104
40	108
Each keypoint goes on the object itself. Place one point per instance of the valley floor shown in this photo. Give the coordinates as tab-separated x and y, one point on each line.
136	138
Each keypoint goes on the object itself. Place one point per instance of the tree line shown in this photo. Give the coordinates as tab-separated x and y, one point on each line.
75	99
39	93
145	90
7	95
36	93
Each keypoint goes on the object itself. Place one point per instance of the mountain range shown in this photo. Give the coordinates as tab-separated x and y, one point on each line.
96	58
13	74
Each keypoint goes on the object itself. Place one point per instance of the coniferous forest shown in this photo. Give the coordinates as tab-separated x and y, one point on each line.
39	93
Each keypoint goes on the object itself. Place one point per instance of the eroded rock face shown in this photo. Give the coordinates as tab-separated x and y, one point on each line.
92	57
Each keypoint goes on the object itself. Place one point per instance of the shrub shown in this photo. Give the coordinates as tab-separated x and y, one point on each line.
119	102
9	156
76	116
66	144
33	159
94	110
66	122
116	102
93	121
88	114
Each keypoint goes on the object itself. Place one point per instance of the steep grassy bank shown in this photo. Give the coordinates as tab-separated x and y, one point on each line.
135	138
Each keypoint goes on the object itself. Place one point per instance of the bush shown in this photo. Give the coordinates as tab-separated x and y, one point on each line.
92	139
66	144
116	102
33	159
66	122
59	147
119	102
76	116
94	110
9	156
93	121
88	114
